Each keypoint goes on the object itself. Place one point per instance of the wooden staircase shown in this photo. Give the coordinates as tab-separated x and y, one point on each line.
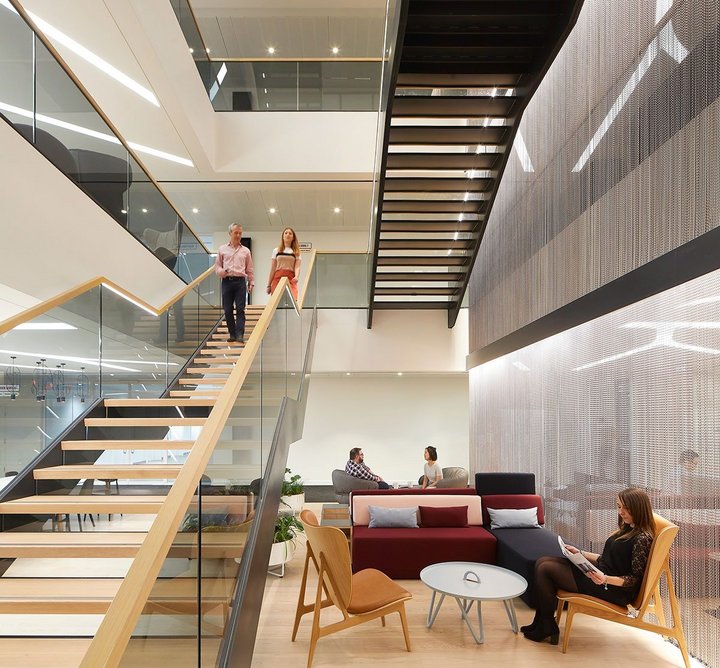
65	520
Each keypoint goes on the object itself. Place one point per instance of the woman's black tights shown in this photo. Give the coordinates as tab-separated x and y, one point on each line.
551	574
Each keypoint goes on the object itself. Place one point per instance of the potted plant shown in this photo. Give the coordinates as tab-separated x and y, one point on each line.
293	494
287	527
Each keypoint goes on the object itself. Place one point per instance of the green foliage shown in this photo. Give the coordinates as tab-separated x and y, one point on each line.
293	485
287	527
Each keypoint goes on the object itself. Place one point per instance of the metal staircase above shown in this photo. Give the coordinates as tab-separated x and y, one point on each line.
466	71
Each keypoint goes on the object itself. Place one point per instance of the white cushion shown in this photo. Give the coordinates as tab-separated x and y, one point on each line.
397	518
512	518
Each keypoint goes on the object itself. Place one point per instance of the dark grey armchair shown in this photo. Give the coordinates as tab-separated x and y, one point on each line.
453	476
344	483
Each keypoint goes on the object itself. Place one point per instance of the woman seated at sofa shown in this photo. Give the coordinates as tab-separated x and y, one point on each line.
432	472
621	567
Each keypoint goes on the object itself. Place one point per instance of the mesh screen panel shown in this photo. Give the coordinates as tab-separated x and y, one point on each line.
614	403
616	162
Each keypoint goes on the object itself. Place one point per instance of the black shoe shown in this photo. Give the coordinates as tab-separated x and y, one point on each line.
231	339
241	339
531	626
546	629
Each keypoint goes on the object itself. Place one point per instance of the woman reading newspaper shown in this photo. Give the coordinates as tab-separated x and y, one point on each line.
615	575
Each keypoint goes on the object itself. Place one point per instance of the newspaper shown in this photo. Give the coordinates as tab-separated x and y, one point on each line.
578	559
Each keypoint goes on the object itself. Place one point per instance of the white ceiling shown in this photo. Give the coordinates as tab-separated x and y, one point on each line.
143	40
303	206
296	29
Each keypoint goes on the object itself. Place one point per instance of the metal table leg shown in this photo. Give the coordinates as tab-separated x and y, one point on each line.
432	613
510	609
464	609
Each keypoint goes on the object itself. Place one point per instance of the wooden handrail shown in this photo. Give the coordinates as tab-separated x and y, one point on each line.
308	273
108	646
61	298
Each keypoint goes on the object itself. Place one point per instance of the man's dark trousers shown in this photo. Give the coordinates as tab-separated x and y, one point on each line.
234	293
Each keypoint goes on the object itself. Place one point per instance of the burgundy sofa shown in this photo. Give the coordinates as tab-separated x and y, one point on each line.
403	553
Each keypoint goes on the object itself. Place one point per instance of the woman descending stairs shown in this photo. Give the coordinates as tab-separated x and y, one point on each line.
68	545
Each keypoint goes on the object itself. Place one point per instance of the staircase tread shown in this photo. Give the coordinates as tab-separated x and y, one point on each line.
106	471
127	445
145	422
159	402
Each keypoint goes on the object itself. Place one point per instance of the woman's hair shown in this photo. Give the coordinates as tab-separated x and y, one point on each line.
294	245
432	451
638	505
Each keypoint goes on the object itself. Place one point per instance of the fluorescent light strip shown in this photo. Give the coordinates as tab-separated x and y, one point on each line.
666	41
67	358
129	299
522	153
682	324
44	326
96	61
26	113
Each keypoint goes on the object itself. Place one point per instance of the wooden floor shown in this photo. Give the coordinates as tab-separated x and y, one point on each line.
594	643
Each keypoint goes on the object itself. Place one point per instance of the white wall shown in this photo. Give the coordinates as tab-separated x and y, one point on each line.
407	341
317	145
392	418
54	236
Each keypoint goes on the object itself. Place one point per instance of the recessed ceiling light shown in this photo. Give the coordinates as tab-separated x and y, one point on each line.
336	209
335	50
195	210
207	50
399	373
144	210
271	50
192	50
347	373
272	209
123	210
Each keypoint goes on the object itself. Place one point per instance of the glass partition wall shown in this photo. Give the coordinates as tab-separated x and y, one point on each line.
45	105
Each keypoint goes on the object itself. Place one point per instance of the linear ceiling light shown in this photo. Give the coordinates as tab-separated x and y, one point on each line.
140	148
666	41
522	152
44	326
96	61
129	299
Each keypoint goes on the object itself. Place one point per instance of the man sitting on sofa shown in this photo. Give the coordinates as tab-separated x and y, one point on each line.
358	469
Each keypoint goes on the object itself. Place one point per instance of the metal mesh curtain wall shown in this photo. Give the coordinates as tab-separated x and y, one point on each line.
616	163
614	403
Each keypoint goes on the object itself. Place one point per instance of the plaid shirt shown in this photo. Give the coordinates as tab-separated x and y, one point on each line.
360	471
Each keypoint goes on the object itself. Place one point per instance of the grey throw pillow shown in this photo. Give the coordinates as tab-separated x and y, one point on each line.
511	518
396	518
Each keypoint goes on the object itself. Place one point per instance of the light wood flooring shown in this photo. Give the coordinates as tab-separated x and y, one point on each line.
594	643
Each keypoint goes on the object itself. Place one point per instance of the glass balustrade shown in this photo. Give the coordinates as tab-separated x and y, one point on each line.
43	103
211	544
311	84
98	344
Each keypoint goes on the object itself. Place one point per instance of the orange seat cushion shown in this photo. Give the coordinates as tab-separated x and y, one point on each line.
372	589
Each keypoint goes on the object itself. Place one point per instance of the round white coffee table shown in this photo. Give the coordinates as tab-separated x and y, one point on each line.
469	583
